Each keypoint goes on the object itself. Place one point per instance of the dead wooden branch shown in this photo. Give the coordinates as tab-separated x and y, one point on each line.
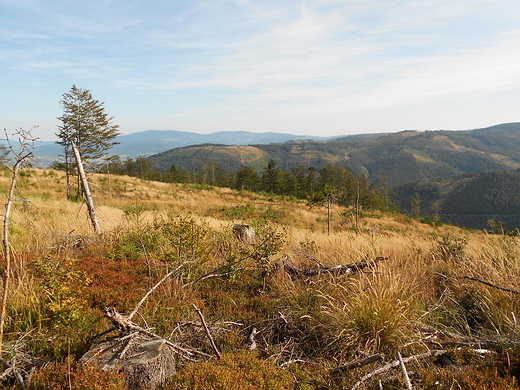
464	341
20	365
213	345
125	326
168	275
285	263
308	256
490	284
360	363
20	158
209	276
86	190
405	371
396	363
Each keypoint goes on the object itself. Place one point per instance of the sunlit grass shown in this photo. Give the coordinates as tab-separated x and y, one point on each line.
429	275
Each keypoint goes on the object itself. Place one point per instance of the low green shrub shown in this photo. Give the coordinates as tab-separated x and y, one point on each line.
71	375
240	371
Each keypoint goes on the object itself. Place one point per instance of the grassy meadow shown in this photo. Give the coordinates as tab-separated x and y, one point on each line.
427	294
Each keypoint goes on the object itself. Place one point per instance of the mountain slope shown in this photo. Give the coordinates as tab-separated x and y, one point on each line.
470	200
145	143
399	158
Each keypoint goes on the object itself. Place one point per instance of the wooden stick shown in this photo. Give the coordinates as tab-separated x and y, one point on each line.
491	284
213	345
361	363
396	363
405	372
125	325
154	287
20	158
291	268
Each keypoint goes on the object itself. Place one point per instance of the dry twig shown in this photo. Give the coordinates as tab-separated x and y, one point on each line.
396	363
490	284
360	363
213	345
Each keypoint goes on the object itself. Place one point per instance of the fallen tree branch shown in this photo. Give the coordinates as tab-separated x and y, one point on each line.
213	345
359	363
490	284
405	372
208	276
308	256
464	341
396	363
287	264
169	274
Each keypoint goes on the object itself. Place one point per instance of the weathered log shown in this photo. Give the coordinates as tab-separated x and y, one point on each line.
490	284
86	190
285	263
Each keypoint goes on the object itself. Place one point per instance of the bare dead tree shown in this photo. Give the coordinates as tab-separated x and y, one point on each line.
86	190
26	140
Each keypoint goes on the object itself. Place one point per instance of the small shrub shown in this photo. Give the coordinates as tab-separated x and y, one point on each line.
71	375
450	248
467	378
241	371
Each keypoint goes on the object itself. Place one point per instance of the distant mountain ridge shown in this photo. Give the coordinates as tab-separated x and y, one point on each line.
397	158
149	142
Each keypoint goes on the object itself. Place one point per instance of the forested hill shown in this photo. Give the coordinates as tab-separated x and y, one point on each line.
399	158
481	200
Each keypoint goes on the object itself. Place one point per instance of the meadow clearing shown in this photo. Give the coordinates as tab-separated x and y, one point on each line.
437	288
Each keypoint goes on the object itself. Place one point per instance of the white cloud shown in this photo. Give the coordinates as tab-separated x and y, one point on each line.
284	60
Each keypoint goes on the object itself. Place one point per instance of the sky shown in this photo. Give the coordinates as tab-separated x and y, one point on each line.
316	67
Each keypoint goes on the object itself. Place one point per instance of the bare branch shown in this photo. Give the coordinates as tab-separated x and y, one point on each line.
490	284
169	274
405	371
396	363
213	345
20	158
360	363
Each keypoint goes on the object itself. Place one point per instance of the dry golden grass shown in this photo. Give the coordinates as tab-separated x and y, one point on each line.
430	275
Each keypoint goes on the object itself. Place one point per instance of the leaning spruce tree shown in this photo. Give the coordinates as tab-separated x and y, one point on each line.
84	122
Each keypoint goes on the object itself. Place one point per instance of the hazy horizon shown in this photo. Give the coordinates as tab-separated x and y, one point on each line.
317	67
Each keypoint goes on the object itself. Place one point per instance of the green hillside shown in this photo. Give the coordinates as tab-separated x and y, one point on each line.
400	158
474	200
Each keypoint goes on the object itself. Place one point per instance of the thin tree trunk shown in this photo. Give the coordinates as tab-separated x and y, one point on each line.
329	201
357	209
20	157
7	252
86	190
67	172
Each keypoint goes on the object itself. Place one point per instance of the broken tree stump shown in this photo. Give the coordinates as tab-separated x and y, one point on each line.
146	358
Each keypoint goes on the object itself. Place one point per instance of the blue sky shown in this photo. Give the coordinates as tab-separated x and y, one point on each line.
317	67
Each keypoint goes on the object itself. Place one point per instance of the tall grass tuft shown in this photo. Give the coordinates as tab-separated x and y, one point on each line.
369	314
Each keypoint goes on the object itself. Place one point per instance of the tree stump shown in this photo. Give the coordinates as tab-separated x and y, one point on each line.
146	361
